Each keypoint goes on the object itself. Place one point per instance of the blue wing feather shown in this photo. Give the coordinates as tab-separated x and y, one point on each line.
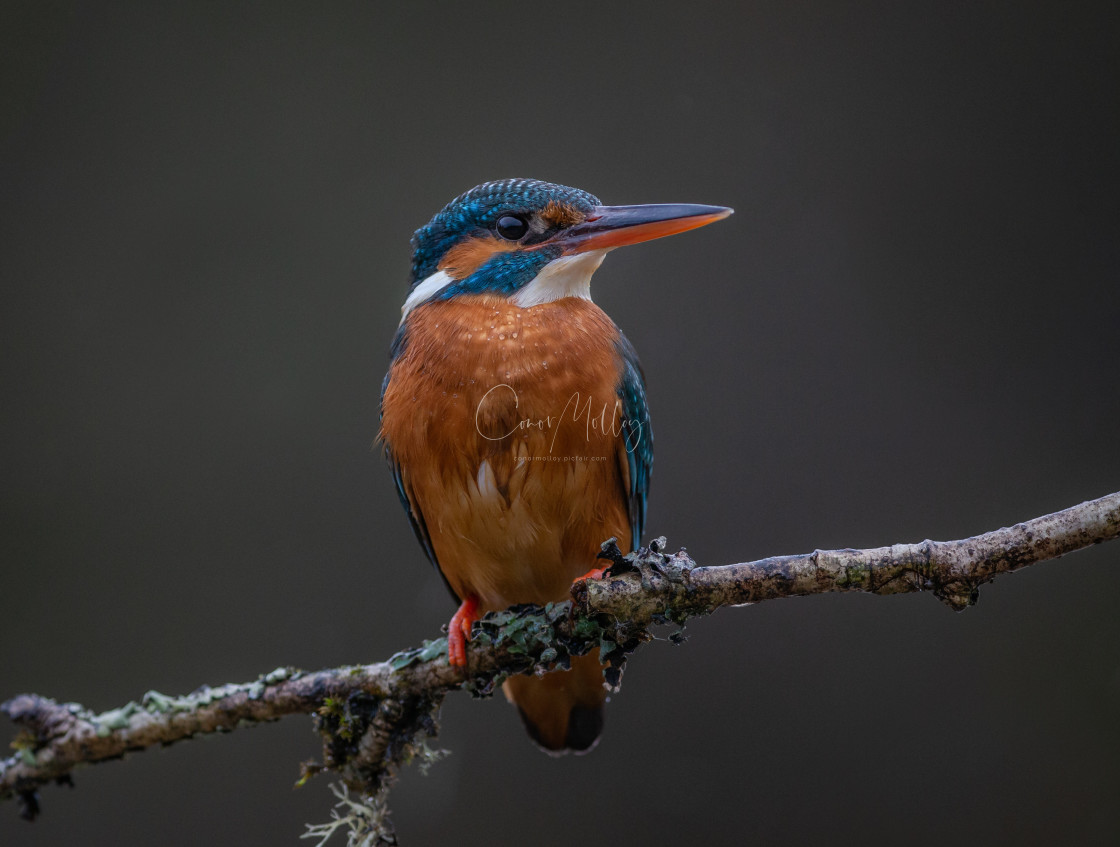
638	434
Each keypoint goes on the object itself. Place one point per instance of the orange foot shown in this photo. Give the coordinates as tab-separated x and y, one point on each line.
459	632
594	573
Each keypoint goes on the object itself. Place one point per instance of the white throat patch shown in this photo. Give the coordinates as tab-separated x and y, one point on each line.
568	276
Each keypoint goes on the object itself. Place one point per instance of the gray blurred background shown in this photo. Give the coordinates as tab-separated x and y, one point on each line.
909	329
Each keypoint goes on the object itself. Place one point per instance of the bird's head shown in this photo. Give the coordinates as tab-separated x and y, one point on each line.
531	241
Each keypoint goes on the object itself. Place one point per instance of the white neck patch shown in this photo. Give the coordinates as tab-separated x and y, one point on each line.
425	291
568	276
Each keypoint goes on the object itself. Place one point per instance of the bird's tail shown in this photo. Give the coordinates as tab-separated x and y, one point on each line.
562	711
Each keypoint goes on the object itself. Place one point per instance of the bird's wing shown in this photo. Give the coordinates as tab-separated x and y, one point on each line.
411	508
636	452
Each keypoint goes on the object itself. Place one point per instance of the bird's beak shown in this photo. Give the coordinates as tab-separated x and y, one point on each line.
616	226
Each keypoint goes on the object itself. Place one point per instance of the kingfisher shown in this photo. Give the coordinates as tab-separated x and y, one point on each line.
514	416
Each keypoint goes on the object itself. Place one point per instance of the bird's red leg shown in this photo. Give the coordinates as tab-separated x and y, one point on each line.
594	573
459	632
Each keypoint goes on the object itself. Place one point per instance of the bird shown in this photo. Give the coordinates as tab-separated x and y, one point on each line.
514	415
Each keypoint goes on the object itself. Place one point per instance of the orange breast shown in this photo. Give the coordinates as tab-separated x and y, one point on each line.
505	423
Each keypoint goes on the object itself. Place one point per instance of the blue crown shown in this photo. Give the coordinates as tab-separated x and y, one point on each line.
477	210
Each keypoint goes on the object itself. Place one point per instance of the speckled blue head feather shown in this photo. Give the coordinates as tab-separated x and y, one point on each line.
476	211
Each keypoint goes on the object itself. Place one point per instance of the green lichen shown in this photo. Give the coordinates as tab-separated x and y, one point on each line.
25	740
428	651
279	675
337	716
586	628
160	704
115	719
853	576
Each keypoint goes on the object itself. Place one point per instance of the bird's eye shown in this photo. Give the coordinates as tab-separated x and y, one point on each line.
512	227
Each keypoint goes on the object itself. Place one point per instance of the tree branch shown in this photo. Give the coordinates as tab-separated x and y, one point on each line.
375	717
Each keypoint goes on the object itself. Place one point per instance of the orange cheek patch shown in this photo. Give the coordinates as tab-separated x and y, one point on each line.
468	256
561	214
